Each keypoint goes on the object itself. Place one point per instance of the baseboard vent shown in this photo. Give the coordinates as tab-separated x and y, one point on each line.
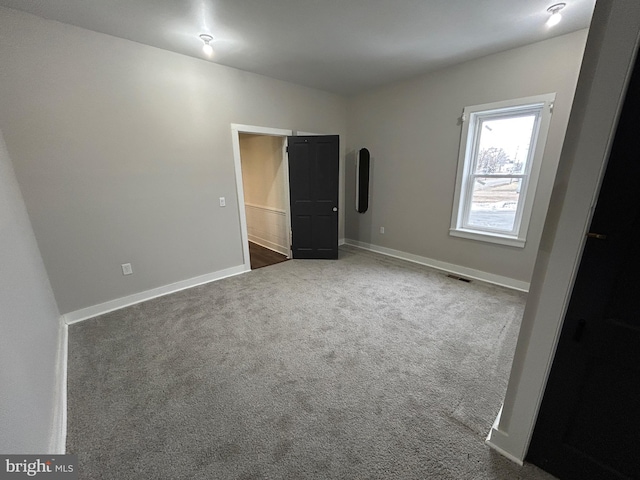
456	277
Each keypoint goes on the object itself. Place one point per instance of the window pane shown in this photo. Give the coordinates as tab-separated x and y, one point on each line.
504	144
494	203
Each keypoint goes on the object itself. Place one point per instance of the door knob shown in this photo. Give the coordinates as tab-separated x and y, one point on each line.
598	236
335	209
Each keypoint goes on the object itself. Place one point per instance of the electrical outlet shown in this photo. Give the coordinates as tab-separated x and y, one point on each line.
382	230
127	269
223	202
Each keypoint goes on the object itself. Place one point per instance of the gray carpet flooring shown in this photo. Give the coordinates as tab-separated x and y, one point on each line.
362	368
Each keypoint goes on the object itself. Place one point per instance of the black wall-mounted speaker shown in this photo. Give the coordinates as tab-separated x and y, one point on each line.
363	162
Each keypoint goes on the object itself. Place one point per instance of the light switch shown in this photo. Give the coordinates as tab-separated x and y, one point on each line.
223	202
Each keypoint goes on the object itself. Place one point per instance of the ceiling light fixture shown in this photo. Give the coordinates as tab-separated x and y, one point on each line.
207	48
555	17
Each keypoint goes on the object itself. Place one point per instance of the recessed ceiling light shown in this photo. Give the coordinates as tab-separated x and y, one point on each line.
555	17
206	48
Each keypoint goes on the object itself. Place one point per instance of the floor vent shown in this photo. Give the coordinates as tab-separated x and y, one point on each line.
456	277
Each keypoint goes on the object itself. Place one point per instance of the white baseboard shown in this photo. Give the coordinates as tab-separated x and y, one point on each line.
447	267
267	226
341	241
267	244
59	428
504	453
497	436
118	303
491	442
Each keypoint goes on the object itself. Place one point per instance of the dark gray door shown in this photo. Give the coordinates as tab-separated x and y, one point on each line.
589	421
313	181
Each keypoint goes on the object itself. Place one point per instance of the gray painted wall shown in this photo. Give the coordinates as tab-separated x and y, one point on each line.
29	327
412	131
122	151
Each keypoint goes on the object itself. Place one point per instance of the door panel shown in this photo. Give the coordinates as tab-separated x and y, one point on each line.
614	444
589	421
304	231
325	238
301	183
313	178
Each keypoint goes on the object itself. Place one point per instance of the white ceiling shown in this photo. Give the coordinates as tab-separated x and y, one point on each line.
342	46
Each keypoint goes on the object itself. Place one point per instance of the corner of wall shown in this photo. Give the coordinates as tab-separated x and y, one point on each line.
613	41
59	426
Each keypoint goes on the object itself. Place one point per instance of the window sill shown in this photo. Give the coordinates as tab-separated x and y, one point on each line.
488	237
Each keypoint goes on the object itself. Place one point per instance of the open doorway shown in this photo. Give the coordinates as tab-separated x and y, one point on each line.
263	194
265	206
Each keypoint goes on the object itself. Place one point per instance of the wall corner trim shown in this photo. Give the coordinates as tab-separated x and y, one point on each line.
444	266
490	442
59	427
494	440
118	303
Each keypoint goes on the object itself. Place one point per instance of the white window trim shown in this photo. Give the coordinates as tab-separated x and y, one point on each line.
527	190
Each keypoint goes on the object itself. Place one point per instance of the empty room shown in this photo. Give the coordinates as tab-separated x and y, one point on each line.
360	239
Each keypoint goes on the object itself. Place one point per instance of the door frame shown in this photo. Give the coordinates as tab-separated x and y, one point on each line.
236	130
599	96
308	134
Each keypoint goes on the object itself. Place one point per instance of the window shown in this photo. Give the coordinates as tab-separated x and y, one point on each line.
501	151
